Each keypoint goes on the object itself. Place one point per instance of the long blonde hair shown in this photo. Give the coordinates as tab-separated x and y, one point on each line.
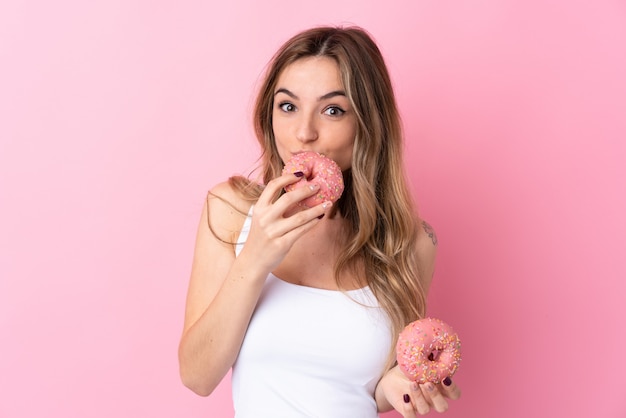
381	218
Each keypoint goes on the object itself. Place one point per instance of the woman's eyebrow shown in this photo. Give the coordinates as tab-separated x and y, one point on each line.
287	92
324	97
333	94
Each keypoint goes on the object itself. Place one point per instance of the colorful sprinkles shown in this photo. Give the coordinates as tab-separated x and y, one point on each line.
318	169
428	350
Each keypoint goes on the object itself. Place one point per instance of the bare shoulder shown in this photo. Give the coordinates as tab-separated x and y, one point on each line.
225	211
426	251
427	234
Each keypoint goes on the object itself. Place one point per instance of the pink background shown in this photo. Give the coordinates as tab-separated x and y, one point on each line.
117	116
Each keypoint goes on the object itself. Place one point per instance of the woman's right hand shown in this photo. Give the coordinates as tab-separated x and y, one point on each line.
278	222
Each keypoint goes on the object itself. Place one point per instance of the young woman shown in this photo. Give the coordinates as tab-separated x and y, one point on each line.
306	304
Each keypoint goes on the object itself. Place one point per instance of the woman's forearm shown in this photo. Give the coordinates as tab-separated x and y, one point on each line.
210	346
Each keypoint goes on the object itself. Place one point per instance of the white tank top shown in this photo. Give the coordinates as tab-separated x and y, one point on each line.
310	352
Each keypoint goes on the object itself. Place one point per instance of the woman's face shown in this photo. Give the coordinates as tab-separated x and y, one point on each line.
312	113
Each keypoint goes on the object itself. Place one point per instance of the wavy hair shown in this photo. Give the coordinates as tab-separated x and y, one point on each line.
381	218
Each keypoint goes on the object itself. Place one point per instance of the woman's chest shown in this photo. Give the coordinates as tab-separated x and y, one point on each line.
332	332
311	262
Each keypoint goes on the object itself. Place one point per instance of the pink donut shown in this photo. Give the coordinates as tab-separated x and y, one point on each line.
428	350
319	170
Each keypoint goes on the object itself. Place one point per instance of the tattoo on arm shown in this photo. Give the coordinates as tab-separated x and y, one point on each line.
430	231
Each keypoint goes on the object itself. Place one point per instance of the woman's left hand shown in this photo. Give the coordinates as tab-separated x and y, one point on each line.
396	391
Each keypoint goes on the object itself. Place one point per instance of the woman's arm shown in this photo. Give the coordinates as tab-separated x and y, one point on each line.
392	388
426	254
224	289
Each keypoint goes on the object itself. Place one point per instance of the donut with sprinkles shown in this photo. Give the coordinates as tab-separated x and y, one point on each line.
318	169
428	350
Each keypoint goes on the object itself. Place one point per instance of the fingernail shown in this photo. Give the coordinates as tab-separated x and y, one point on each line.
430	387
321	216
298	173
313	186
414	386
406	398
447	381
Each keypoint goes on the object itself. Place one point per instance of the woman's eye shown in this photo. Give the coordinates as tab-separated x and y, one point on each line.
334	111
287	107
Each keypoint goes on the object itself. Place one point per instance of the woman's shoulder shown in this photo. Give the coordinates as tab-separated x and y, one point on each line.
426	235
230	195
426	251
227	206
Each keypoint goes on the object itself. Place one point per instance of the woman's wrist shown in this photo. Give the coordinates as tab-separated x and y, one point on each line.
382	403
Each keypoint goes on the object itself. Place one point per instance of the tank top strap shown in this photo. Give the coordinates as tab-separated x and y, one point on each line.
243	234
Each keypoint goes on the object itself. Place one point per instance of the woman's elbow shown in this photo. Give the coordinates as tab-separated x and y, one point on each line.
198	389
194	382
192	377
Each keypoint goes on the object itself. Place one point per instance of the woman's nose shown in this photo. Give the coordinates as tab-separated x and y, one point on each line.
307	129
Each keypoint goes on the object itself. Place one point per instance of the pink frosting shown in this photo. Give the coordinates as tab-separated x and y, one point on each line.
318	169
428	350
